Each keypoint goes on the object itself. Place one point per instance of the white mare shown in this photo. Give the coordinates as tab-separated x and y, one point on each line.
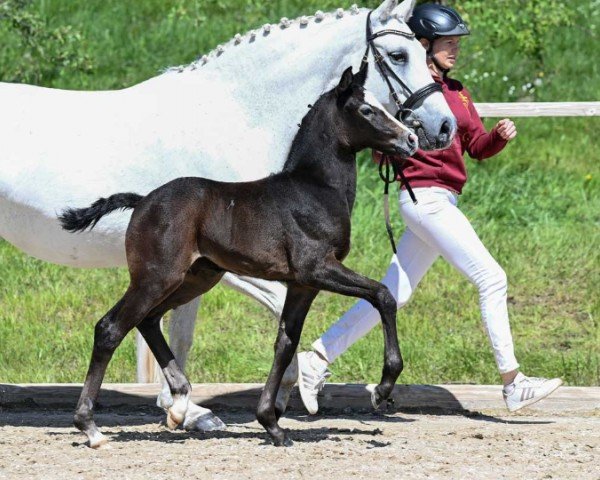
229	116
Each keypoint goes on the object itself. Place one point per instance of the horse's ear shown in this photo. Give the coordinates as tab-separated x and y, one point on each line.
345	81
361	77
384	11
404	10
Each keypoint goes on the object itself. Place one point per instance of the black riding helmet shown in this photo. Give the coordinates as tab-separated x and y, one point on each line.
433	21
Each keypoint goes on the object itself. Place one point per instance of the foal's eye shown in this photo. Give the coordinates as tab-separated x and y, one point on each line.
366	110
399	57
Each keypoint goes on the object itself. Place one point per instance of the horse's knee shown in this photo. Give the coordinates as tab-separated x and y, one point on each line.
107	336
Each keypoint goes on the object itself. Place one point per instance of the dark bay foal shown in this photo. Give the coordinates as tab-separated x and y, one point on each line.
293	227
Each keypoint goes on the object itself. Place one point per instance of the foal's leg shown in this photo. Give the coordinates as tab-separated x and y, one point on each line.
181	333
271	294
109	332
202	276
179	386
297	304
101	355
333	276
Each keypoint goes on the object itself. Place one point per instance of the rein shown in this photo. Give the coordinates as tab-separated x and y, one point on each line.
387	165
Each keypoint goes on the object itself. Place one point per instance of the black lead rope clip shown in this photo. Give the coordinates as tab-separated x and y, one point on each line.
387	166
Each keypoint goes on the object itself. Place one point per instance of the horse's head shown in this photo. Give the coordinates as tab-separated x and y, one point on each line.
430	117
363	122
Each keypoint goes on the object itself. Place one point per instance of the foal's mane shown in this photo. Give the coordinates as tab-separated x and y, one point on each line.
306	137
252	35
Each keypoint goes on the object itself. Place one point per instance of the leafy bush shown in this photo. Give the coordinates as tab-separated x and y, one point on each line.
42	53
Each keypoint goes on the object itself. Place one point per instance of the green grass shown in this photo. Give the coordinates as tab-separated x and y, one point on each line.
536	207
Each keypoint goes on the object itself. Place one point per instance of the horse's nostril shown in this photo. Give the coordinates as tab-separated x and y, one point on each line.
412	141
446	128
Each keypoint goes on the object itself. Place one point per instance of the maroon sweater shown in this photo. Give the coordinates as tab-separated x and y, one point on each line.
446	168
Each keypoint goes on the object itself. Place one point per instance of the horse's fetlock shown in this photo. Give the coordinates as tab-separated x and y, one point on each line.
265	415
83	416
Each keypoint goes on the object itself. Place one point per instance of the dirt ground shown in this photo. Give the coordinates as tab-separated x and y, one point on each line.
43	444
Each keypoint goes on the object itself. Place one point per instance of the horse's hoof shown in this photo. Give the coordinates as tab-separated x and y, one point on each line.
286	442
207	422
97	440
376	399
172	421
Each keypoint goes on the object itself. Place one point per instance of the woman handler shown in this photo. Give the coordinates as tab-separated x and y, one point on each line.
435	226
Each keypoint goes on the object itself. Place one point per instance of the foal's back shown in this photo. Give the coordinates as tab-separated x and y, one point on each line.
249	228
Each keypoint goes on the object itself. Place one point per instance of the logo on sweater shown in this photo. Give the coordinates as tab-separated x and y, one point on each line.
464	99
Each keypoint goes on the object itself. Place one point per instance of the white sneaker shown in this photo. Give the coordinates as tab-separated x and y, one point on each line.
527	390
312	374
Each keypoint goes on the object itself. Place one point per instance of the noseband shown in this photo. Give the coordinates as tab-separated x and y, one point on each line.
404	109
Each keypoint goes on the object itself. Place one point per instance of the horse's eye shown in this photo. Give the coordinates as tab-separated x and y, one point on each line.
399	57
366	110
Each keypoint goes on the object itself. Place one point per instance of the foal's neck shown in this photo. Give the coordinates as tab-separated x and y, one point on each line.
319	152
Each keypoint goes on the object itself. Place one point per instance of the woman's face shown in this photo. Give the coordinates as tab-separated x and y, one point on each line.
446	51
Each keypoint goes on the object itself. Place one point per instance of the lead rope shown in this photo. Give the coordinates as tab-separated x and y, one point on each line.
386	166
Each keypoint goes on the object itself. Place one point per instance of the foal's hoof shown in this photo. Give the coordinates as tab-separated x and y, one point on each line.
376	398
97	440
286	442
207	422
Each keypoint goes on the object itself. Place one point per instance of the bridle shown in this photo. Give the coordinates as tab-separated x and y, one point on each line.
387	165
404	109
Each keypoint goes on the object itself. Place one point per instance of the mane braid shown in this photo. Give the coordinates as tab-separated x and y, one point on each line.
252	34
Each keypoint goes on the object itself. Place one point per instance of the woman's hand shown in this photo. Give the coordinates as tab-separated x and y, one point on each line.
506	129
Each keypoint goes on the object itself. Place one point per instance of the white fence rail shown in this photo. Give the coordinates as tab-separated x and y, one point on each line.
539	109
147	371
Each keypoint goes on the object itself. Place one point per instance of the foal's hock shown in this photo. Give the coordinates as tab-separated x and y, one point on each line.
293	227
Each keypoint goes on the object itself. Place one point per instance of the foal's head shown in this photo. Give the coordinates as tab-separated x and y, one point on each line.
364	122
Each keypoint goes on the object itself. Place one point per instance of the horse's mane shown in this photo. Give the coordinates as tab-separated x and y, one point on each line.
284	23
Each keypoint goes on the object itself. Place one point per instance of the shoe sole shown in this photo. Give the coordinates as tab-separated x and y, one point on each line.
533	400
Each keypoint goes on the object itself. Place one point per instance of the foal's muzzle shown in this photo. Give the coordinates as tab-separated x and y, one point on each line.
406	145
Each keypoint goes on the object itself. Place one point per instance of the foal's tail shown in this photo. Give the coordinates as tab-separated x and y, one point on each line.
78	219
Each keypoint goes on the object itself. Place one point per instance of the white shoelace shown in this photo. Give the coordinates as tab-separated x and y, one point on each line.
316	382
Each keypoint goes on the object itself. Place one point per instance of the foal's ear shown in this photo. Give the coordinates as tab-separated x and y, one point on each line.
361	77
345	81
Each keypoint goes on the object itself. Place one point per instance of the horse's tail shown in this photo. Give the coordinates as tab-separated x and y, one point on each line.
78	219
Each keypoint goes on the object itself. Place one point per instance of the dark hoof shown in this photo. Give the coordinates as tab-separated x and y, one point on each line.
207	422
286	442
